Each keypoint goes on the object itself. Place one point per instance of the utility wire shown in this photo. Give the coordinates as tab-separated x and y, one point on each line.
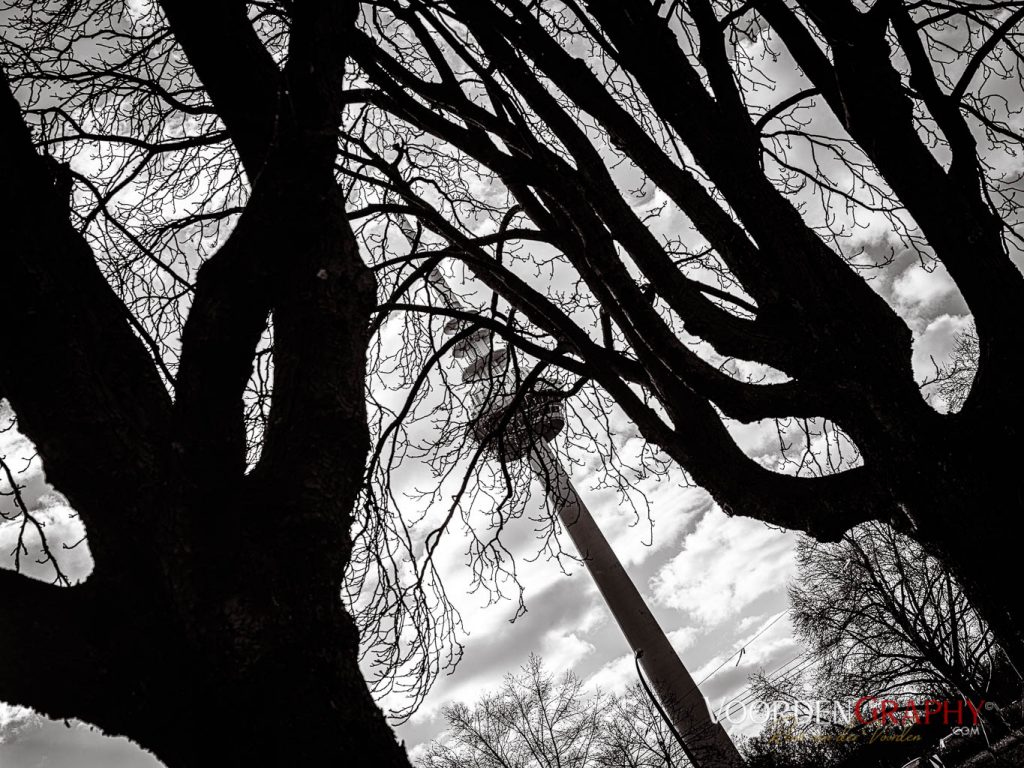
664	715
744	647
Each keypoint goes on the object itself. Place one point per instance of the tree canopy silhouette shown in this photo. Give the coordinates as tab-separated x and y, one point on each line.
883	618
211	630
659	202
536	718
681	189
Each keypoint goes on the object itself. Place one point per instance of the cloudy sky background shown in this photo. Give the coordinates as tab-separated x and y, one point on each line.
715	583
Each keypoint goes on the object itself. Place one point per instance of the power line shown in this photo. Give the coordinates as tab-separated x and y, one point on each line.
744	647
747	694
740	651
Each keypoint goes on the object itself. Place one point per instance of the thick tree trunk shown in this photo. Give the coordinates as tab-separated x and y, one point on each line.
272	680
276	684
213	633
957	492
281	687
967	513
988	564
211	630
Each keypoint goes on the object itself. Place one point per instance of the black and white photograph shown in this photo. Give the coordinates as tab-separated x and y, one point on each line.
511	383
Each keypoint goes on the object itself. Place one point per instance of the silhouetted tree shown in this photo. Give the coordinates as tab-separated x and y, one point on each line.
635	735
780	745
662	196
957	375
211	630
537	719
882	618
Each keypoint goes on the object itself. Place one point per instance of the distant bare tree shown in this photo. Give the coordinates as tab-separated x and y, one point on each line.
534	719
635	735
957	375
538	720
882	617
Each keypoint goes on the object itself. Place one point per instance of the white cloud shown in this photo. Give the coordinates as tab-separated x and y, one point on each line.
756	438
418	752
920	288
563	650
673	508
61	525
725	564
14	721
683	638
615	676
